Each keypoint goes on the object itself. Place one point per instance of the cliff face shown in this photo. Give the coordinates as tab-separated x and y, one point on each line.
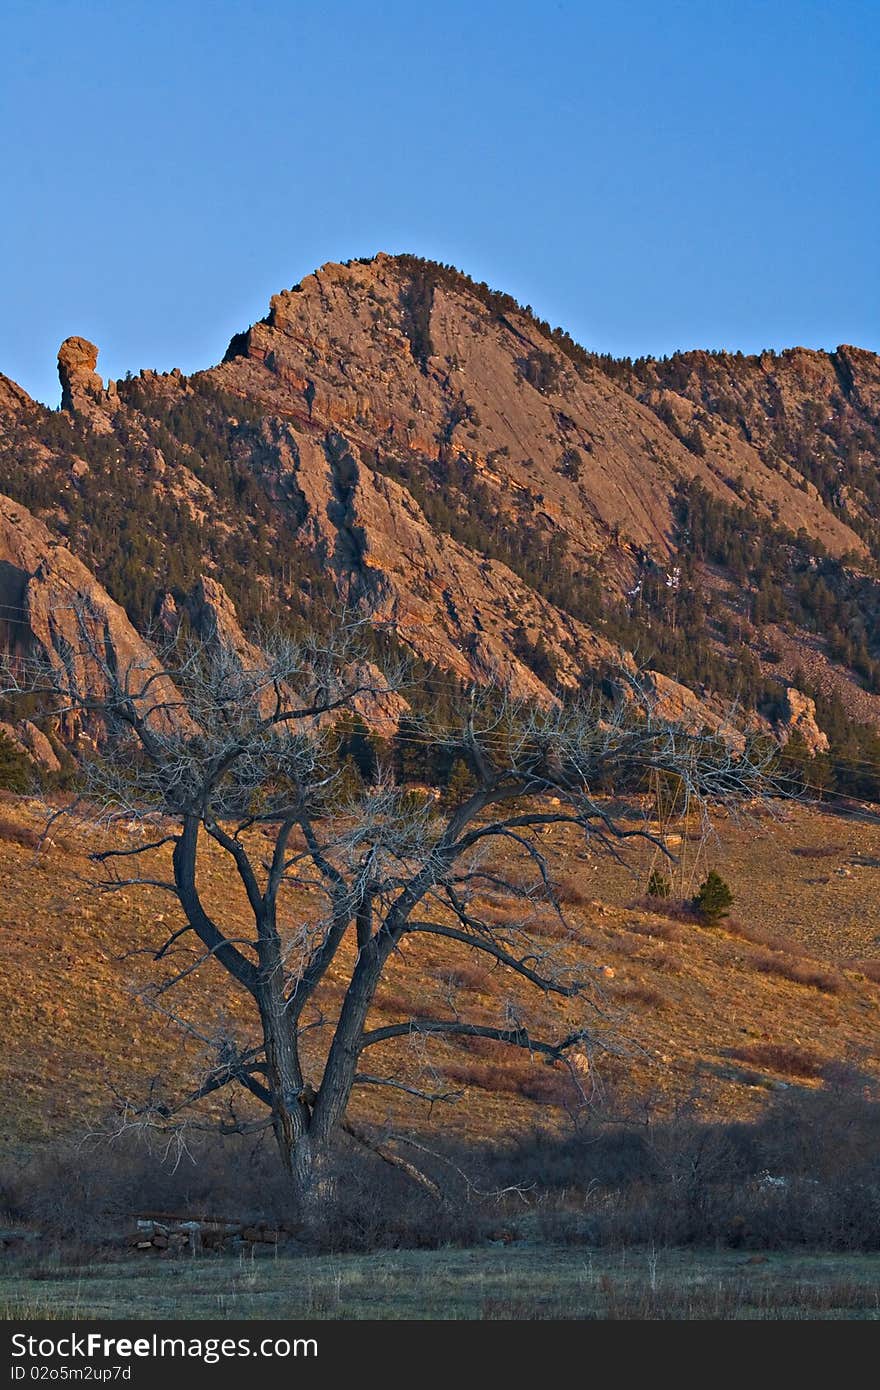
593	463
811	417
395	437
54	615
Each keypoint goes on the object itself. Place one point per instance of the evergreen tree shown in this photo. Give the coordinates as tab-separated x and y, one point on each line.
659	885
713	899
460	785
16	768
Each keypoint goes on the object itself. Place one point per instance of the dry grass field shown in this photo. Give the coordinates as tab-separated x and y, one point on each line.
723	1015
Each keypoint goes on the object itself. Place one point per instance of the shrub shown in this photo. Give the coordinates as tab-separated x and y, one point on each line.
16	834
869	968
635	993
464	977
16	768
799	972
762	936
713	899
570	465
780	1057
663	930
569	890
818	851
659	885
674	909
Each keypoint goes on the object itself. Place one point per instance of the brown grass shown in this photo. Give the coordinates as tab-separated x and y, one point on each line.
818	851
662	960
465	977
506	912
672	909
869	968
544	1087
392	1000
616	1299
786	1058
800	973
73	1026
633	992
764	936
15	834
569	890
658	927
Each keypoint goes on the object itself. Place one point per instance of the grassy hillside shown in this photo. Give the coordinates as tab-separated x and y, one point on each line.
773	997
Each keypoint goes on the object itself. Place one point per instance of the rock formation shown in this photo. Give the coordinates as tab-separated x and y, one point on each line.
82	390
44	590
12	398
800	717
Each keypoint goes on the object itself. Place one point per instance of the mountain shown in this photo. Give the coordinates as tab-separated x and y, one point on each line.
505	504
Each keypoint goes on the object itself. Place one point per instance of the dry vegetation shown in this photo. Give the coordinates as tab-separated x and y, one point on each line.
738	1114
489	1283
716	1012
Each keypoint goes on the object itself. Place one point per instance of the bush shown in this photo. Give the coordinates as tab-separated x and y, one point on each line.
16	834
799	972
804	1174
659	885
713	899
16	768
786	1058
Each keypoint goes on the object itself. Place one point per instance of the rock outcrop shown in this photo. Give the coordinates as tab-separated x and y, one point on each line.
33	743
82	390
12	397
799	717
335	353
213	618
54	611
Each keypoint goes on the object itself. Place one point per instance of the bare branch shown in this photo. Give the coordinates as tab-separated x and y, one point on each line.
486	945
515	1037
364	1079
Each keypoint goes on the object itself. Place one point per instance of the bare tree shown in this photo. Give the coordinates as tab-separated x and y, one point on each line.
207	748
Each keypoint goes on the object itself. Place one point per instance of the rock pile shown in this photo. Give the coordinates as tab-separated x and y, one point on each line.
178	1235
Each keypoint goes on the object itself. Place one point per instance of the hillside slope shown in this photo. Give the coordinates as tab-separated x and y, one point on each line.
717	1017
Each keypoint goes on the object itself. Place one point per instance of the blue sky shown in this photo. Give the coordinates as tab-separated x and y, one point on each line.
650	175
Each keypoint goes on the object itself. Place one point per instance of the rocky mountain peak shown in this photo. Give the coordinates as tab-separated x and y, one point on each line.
504	505
12	396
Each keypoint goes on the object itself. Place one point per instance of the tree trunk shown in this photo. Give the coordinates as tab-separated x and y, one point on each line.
291	1115
344	1054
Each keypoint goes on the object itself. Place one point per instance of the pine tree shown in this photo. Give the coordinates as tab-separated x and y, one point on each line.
659	885
713	899
460	785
